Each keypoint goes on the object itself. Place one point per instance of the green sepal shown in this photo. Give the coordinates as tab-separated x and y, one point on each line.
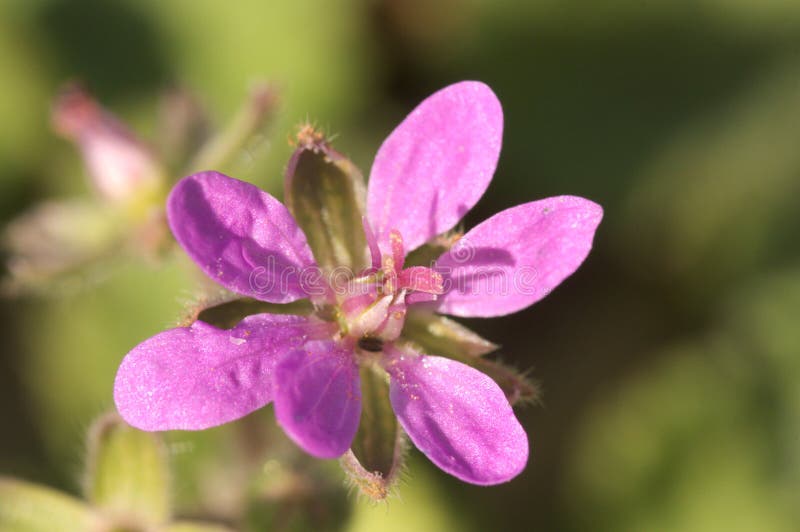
127	472
438	335
227	314
375	441
376	456
326	194
433	334
27	507
427	253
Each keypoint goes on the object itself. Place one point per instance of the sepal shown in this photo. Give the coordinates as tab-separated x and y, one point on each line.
325	193
376	457
437	335
226	310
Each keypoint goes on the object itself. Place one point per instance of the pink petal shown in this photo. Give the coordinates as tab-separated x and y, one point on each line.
517	256
240	236
196	377
458	417
318	398
436	164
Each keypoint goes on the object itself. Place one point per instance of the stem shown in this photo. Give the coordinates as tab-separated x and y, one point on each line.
251	117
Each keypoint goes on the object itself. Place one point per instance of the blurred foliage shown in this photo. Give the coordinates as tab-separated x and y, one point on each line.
670	363
126	487
705	438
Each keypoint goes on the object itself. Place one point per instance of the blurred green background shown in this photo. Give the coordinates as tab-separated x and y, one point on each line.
670	362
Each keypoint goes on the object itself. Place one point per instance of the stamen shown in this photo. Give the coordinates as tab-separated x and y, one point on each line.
370	317
389	276
372	243
392	326
398	253
372	278
355	305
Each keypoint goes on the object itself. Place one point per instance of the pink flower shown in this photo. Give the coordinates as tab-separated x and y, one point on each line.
430	171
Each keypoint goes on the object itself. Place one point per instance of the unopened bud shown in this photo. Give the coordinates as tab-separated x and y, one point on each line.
121	167
128	476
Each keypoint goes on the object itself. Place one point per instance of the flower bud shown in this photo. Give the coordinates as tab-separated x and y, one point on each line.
127	472
121	167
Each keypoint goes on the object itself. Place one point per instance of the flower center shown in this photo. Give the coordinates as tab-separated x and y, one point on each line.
372	306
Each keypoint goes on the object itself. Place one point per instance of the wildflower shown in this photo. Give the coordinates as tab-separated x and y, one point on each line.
427	174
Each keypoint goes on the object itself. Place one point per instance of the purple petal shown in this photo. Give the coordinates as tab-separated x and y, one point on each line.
318	398
197	377
458	417
240	236
436	164
517	256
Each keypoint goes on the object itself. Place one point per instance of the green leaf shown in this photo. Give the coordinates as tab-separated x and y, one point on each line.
377	452
326	194
128	473
26	507
438	335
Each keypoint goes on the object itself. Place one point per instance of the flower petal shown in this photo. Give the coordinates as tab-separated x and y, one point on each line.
516	257
458	417
436	164
318	398
240	236
196	377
